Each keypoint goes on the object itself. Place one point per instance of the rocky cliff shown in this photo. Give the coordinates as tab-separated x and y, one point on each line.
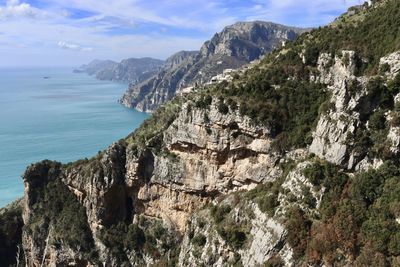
132	70
293	163
95	66
232	48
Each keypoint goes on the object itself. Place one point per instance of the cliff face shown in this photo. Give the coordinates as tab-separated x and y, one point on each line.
202	156
199	160
232	48
294	163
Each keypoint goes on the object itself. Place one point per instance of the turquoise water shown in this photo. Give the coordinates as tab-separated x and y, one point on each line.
66	117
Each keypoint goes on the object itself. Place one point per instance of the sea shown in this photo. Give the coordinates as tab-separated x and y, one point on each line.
53	113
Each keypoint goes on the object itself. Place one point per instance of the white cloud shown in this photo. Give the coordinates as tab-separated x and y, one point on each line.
304	13
15	9
136	28
75	47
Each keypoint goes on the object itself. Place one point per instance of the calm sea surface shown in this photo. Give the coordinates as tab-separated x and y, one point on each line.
65	117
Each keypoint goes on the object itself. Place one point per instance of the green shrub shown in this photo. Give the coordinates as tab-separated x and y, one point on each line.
394	85
384	68
135	238
377	121
354	87
56	207
309	199
266	196
145	237
298	227
222	107
233	235
311	55
199	240
204	102
315	174
219	212
362	215
268	203
378	94
10	233
346	59
373	36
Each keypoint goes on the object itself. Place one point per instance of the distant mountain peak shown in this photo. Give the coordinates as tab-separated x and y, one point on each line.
233	47
132	70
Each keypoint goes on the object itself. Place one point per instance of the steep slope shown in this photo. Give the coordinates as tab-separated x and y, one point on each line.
11	233
95	66
132	70
232	48
293	163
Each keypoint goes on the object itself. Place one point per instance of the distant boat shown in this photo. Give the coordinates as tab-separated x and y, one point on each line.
46	77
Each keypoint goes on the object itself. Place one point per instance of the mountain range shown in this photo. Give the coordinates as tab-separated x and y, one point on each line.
132	70
153	82
235	46
293	162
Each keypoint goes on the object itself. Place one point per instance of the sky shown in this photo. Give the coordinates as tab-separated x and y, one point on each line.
73	32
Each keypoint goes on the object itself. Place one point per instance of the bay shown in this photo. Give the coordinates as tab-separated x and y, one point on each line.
55	114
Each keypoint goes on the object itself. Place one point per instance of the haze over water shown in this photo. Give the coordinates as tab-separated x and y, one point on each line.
65	117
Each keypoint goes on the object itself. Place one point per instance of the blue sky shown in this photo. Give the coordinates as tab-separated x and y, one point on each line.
72	32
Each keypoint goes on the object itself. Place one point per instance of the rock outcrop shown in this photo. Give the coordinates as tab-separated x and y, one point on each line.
204	154
330	137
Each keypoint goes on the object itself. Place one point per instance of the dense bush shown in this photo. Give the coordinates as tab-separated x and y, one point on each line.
219	212
57	208
204	102
298	227
311	55
232	232
234	235
10	234
222	107
145	237
354	87
377	121
358	217
379	95
394	85
266	196
199	240
372	35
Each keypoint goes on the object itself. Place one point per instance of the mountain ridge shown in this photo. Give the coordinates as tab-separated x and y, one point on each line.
131	70
233	47
295	162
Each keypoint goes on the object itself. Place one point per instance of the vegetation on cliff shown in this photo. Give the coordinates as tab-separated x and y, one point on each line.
315	212
357	217
145	238
278	94
11	233
57	217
